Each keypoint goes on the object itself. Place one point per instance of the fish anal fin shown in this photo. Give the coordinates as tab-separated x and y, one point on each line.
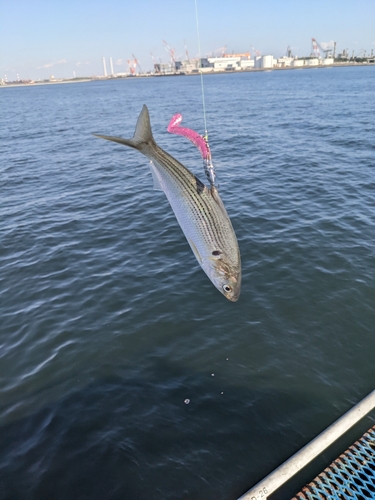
155	177
195	251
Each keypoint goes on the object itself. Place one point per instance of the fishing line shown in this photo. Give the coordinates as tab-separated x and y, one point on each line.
200	62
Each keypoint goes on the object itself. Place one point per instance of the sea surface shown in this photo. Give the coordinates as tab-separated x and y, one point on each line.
124	374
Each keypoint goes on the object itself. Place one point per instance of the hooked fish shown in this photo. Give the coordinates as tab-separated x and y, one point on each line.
198	209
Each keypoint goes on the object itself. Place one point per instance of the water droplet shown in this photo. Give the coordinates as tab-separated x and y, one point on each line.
187	401
212	374
221	393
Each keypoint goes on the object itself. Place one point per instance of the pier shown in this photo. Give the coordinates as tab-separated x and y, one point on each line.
342	477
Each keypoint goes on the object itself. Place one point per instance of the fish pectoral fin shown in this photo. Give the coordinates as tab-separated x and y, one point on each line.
195	251
155	176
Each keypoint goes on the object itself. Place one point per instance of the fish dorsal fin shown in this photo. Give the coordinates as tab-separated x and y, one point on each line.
142	135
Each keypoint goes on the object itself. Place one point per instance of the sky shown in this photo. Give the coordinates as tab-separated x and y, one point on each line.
40	38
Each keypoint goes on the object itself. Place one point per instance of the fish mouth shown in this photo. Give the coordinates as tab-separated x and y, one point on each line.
230	286
233	297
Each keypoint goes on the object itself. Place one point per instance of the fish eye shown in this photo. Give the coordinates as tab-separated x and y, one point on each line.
216	252
227	288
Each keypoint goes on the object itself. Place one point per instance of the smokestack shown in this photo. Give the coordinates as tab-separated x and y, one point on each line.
111	66
104	67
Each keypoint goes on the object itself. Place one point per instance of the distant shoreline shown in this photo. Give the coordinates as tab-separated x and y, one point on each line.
33	84
252	70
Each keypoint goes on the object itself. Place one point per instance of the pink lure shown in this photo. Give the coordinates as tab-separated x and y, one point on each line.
194	137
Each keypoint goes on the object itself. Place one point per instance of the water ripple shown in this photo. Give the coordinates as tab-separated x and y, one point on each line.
108	323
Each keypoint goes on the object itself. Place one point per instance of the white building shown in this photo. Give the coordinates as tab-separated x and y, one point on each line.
312	62
246	63
234	62
187	66
284	62
266	62
297	62
164	68
258	62
224	63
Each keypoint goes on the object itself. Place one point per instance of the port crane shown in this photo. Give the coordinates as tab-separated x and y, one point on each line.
133	63
258	52
153	61
221	50
132	66
137	63
170	51
317	49
186	51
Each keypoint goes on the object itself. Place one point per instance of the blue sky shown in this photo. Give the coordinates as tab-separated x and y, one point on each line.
40	37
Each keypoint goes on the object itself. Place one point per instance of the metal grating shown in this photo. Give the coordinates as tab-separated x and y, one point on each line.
351	476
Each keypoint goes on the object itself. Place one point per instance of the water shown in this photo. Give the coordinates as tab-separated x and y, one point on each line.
124	372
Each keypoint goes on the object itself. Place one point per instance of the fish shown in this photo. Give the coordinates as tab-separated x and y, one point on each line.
199	210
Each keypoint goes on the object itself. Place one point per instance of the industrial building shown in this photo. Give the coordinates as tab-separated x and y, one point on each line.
237	62
311	61
165	68
321	55
264	62
284	62
187	66
228	62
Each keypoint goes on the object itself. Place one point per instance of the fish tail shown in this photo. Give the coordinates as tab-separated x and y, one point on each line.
142	135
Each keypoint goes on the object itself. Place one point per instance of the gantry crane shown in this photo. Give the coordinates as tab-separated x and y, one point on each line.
137	63
170	51
132	66
258	52
317	49
186	51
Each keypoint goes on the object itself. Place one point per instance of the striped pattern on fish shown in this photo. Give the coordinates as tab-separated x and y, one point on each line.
198	209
